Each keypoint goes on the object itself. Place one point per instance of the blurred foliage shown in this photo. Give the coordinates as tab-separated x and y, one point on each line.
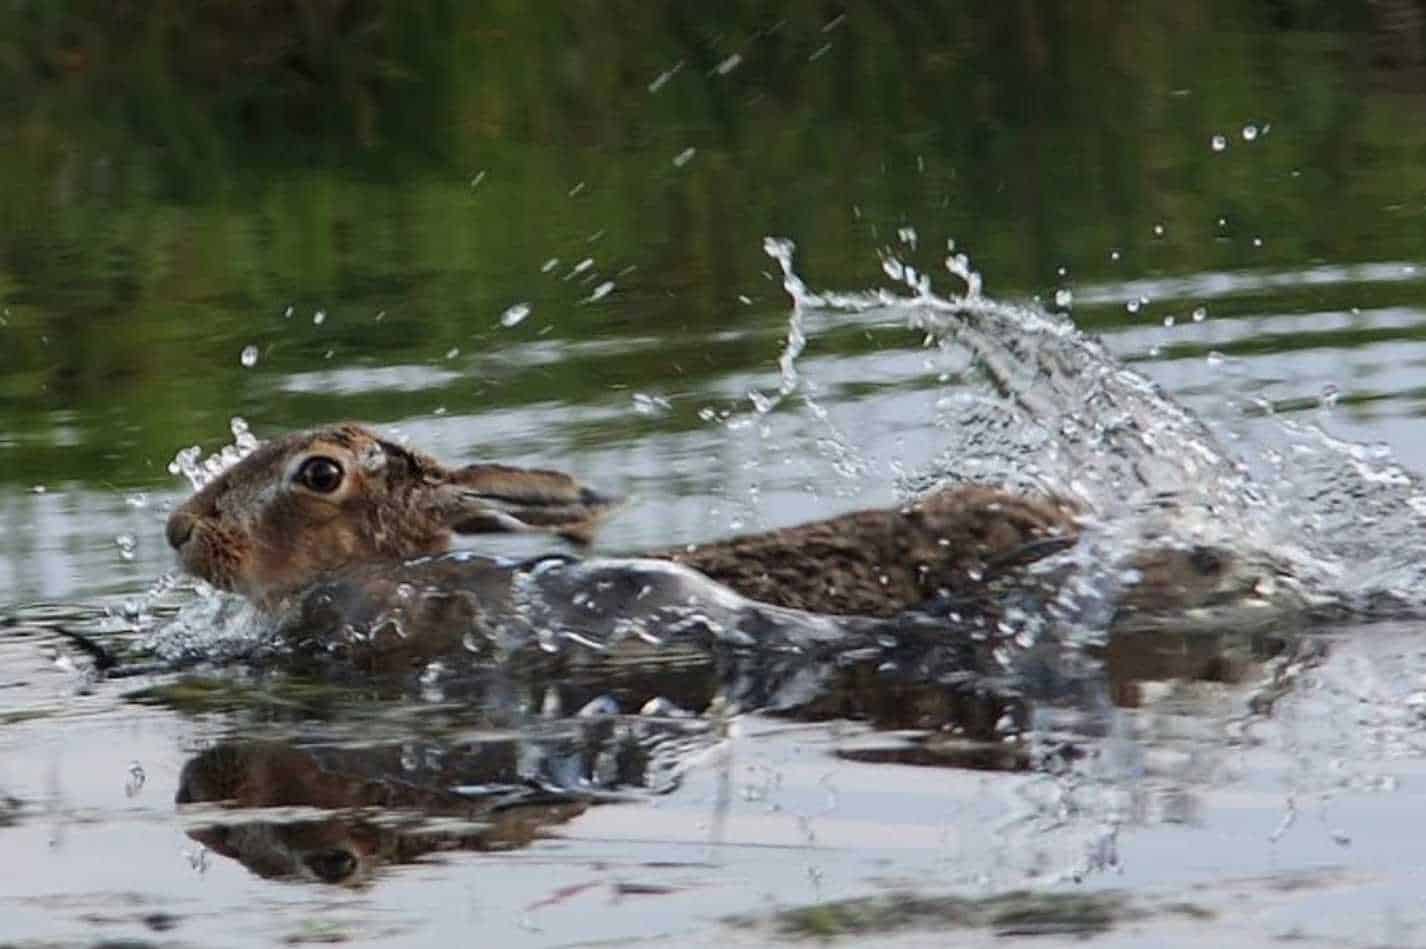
175	175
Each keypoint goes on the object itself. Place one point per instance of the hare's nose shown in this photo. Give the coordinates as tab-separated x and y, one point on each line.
179	529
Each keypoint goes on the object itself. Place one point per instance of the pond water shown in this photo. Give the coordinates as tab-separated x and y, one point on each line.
700	257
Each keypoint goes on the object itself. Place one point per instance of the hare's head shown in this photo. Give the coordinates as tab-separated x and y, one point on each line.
316	501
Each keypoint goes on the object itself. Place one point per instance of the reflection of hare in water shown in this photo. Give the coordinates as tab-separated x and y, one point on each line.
373	820
348	513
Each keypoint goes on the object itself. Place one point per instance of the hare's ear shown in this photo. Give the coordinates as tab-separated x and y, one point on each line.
492	499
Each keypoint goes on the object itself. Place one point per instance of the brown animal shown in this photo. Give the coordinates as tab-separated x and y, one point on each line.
303	506
333	532
882	562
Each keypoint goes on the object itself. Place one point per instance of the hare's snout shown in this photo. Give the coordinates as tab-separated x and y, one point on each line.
180	528
203	550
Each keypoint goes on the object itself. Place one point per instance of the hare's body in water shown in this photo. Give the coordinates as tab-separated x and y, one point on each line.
340	533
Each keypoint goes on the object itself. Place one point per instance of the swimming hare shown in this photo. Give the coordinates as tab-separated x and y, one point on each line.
337	532
304	506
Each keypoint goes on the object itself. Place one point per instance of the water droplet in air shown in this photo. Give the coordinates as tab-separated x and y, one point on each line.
684	157
600	292
549	265
1170	320
453	352
1257	242
1133	306
662	78
241	432
1158	230
1062	271
1064	298
516	314
249	357
1214	359
1250	132
1113	255
907	235
287	313
1199	314
319	317
1218	143
729	64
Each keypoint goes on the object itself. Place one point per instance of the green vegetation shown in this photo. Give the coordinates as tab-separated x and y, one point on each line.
277	697
174	176
1016	913
1019	913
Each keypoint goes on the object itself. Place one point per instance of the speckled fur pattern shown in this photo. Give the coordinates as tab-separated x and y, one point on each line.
881	562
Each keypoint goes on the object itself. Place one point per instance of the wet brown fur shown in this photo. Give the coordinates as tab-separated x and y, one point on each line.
881	562
257	534
253	531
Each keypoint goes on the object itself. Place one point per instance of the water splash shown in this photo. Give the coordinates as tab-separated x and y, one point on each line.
848	460
190	463
1326	522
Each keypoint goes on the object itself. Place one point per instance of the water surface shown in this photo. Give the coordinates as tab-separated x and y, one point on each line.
208	217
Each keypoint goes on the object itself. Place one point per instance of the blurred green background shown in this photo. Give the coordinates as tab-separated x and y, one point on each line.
174	176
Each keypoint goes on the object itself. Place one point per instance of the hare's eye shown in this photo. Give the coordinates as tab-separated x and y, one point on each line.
319	474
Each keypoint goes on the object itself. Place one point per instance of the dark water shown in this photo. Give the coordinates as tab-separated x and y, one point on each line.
297	213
